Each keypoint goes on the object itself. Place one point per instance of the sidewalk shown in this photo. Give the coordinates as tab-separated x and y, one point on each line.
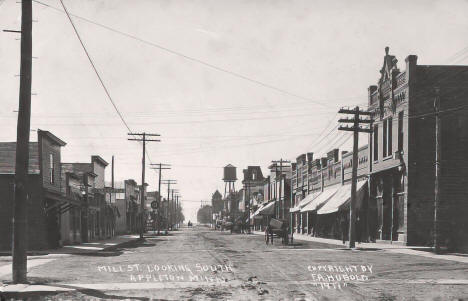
36	258
395	248
89	247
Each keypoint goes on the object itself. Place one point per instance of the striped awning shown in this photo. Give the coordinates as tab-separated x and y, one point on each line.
322	198
342	198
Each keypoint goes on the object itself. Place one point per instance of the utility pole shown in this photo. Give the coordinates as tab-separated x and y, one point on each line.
437	173
173	207
20	220
176	212
275	162
247	194
160	167
143	139
168	183
356	129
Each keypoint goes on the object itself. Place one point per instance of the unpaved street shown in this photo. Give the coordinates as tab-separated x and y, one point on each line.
201	263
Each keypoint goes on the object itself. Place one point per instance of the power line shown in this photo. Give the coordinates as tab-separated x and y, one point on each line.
94	67
187	57
97	72
186	122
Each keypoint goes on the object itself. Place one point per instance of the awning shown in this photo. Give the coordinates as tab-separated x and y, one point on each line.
341	198
309	198
323	197
268	209
257	211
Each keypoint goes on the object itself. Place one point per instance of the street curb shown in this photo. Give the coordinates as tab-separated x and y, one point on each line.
123	244
55	251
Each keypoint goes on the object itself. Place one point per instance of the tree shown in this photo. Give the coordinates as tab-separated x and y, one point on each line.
204	214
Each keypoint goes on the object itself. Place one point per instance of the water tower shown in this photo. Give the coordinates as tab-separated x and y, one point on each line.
229	179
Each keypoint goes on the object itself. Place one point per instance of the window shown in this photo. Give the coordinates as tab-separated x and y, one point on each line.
400	131
376	143
387	137
51	168
384	146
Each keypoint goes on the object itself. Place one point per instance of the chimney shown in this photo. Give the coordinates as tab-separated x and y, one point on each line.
411	62
310	157
333	155
323	162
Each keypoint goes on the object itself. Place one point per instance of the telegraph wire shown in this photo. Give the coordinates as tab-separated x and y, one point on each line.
187	57
97	72
191	121
94	67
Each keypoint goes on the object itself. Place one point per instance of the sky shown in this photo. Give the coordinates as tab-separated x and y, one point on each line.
239	82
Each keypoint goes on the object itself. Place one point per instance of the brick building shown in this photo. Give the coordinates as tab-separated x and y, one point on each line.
277	191
324	200
402	152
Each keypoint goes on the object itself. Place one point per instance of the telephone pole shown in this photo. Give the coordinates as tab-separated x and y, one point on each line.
20	220
168	183
173	204
177	211
275	162
356	129
160	167
247	203
437	173
142	138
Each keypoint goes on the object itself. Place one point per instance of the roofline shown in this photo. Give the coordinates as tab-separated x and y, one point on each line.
52	137
131	181
99	159
91	174
73	175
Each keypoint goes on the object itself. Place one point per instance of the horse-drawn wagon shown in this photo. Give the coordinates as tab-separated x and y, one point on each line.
277	228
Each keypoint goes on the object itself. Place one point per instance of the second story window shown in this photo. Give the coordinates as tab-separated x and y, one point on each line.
387	137
376	143
400	131
51	169
384	141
